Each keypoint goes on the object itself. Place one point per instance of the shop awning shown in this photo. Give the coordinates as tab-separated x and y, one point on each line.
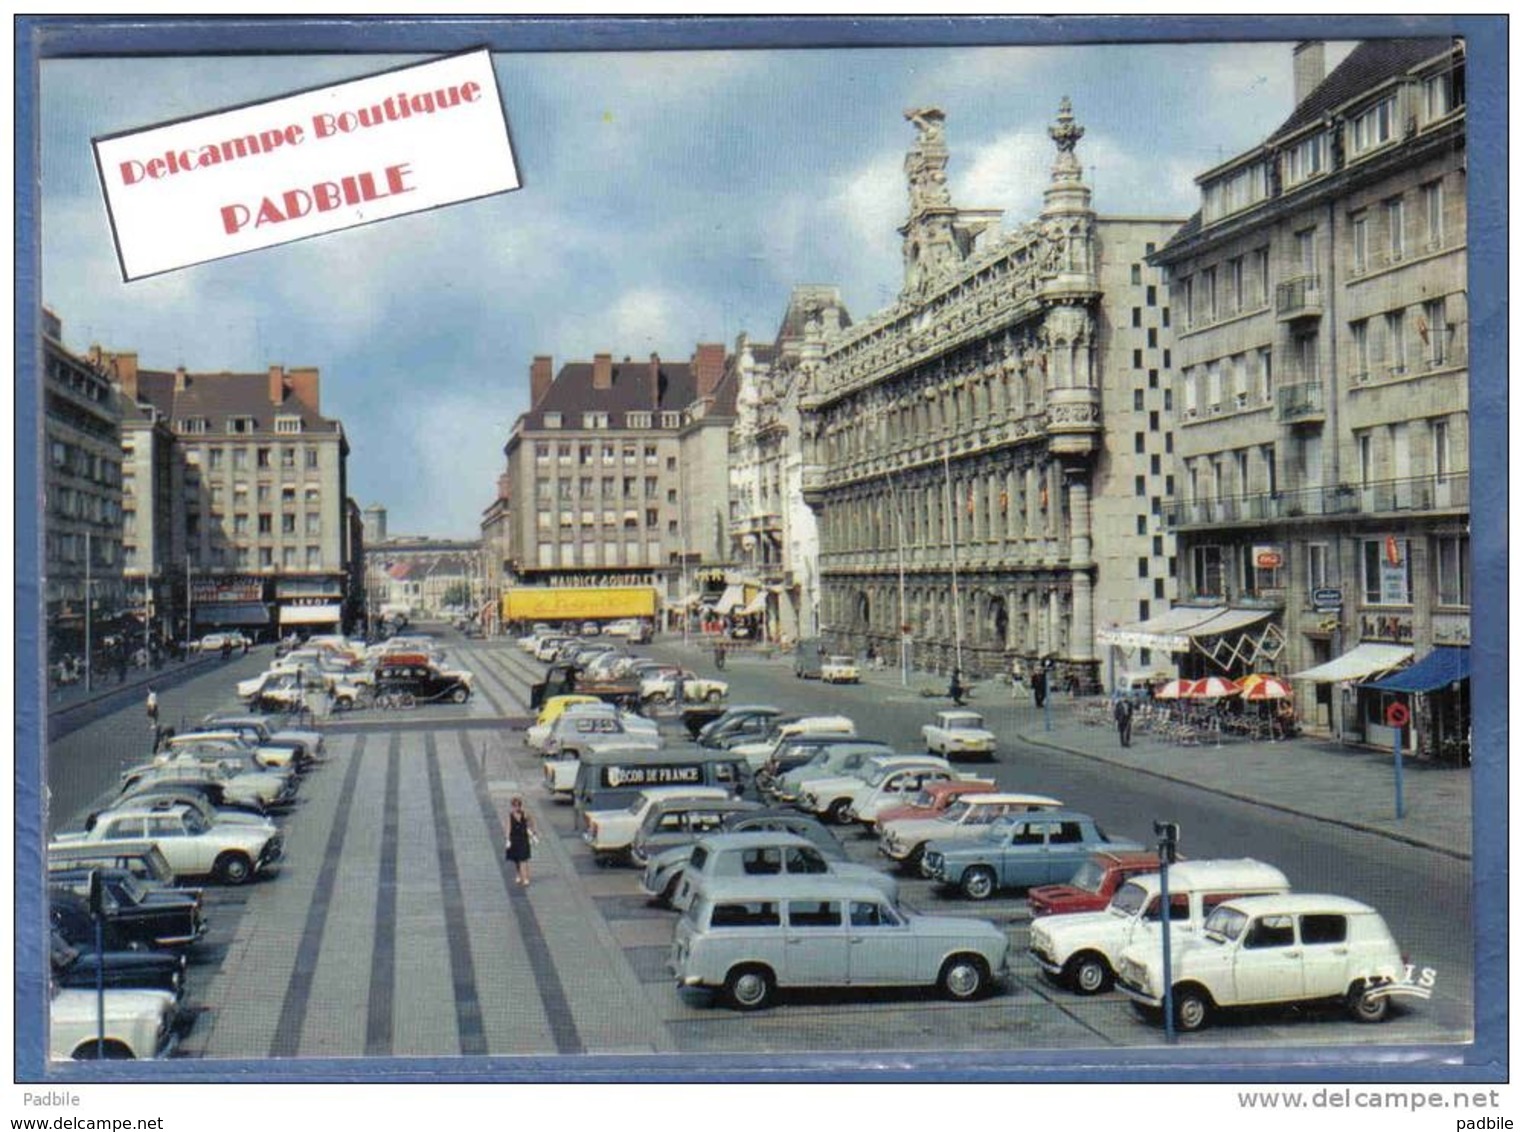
732	596
231	613
1175	630
757	604
1440	668
311	614
1358	663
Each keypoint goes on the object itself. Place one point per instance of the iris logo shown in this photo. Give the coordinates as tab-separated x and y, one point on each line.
1415	982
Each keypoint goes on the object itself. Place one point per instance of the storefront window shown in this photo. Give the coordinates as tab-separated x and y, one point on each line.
1387	571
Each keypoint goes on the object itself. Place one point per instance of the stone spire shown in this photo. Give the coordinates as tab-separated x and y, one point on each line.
930	247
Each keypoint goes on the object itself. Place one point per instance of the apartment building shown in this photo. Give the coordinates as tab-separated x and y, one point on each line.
1320	307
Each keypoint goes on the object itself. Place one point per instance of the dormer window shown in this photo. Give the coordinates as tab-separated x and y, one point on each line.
637	420
552	420
241	424
1235	192
1308	158
288	424
671	420
193	425
1374	128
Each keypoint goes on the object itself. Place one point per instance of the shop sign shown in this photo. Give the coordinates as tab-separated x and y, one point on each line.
1268	557
209	591
1385	627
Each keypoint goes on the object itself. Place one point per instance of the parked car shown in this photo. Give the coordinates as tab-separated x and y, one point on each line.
840	670
1272	950
550	711
140	859
758	855
881	793
748	937
759	753
260	790
192	846
209	790
610	833
795	751
1081	951
72	966
695	689
137	1024
738	724
603	727
134	916
681	821
969	817
160	795
1017	852
663	872
933	798
426	683
831	797
844	756
1090	888
959	733
263	731
239	740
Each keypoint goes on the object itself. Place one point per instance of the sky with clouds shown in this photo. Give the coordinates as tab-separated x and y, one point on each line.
668	198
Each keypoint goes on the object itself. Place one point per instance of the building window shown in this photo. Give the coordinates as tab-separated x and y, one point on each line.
1433	213
1142	567
594	420
651	456
314	557
1271	477
1306	252
1138	442
1318	575
285	424
266	557
1266	374
1396	342
1152	337
1136	316
541	452
1387	571
1442	94
552	420
1307	361
1236	296
1433	328
265	523
671	420
1359	336
1206	562
1452	559
1360	234
1152	295
214	459
240	524
1442	460
1373	128
263	458
1365	443
1306	159
1208	293
288	557
240	459
671	463
1136	274
1187	296
288	524
671	495
314	523
637	420
1396	229
1213	384
311	458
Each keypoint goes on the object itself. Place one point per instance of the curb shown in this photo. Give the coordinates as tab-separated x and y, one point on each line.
1361	827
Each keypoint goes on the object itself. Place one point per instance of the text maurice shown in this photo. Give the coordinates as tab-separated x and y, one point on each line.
323	196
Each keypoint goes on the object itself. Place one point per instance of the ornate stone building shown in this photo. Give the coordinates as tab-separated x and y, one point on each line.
775	535
1321	312
988	456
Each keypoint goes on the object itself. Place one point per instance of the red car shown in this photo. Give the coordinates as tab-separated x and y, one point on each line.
1092	887
932	799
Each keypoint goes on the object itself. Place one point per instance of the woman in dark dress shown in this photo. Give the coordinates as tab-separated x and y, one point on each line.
521	837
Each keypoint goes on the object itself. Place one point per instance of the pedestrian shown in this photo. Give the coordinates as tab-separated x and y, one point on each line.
719	657
522	837
1124	720
227	649
955	688
153	709
1039	686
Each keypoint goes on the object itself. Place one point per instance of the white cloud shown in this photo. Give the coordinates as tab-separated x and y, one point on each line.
1009	172
455	427
872	200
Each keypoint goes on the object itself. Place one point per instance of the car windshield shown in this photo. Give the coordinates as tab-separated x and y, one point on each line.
923	800
132	888
195	823
876	777
638	804
965	723
955	812
1088	878
841	660
1129	900
999	830
1224	925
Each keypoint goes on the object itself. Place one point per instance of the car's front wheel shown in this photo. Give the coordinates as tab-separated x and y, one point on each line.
1088	973
978	883
1192	1009
233	868
836	812
749	987
714	696
460	695
963	978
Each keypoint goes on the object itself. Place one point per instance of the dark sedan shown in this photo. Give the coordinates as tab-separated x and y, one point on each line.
136	915
119	970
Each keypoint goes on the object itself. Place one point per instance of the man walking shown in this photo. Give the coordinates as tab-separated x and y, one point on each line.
153	709
1039	686
1124	720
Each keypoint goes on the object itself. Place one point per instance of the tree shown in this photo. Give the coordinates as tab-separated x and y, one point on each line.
457	593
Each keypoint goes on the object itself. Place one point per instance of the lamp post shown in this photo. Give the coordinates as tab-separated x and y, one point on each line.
904	624
946	464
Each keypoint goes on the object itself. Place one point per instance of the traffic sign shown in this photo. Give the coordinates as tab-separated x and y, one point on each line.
1397	715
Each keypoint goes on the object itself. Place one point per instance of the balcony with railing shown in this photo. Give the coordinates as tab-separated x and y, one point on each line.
1302	403
1413	494
1298	298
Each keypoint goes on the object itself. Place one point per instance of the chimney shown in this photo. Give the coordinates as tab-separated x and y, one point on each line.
304	386
602	371
277	385
540	378
708	368
655	380
181	379
1309	60
124	370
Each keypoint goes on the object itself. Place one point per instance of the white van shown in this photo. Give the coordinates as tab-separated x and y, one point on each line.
1081	951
